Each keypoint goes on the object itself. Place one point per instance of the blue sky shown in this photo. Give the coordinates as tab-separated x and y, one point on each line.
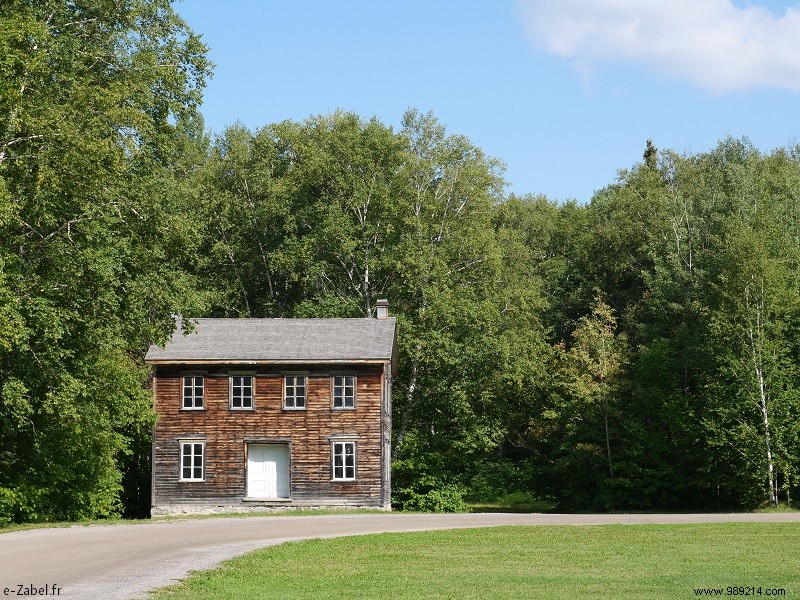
564	92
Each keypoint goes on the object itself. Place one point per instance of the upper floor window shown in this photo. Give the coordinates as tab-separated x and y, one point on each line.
192	463
192	391
294	391
344	391
241	391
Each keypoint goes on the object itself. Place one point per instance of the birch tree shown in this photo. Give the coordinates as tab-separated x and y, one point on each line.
750	327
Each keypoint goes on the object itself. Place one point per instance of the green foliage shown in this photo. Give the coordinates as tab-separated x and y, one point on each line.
697	256
323	217
20	504
91	101
430	494
495	479
639	352
594	345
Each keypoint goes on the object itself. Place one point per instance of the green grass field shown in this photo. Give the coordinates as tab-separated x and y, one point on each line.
608	561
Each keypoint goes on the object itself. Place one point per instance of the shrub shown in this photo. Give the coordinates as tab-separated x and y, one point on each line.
19	505
494	480
430	494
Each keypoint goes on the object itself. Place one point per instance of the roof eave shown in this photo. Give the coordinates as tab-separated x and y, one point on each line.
282	361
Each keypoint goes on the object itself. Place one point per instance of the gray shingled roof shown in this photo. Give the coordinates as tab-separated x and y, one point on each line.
312	340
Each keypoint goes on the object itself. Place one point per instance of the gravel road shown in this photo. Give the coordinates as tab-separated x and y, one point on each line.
125	561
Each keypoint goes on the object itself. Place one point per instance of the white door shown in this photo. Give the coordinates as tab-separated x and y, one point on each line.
268	471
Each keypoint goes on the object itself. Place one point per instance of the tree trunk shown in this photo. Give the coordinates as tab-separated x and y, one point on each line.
756	334
412	387
365	291
762	405
608	439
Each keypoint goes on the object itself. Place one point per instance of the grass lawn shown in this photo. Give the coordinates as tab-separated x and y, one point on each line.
600	561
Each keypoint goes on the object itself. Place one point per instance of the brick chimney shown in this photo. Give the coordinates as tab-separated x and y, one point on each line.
382	309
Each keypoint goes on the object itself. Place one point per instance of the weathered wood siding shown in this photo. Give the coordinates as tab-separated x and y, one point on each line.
308	432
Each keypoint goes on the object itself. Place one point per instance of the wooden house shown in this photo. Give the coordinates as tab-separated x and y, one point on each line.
263	413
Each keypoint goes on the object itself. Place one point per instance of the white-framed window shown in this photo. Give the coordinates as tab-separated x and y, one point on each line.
344	391
294	391
241	392
343	461
193	392
192	460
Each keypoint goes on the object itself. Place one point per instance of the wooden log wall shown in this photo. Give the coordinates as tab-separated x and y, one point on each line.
308	432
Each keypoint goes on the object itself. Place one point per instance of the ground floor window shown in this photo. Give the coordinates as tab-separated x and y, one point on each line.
344	461
192	463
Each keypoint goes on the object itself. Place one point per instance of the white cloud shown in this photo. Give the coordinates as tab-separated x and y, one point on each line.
711	43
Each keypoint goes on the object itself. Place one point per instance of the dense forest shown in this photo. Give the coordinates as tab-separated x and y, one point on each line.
635	352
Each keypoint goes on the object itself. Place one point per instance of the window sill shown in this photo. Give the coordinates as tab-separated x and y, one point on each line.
294	408
234	409
198	409
354	480
342	408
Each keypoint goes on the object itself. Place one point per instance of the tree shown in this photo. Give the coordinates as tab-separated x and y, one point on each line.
90	93
713	327
596	359
323	217
753	296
